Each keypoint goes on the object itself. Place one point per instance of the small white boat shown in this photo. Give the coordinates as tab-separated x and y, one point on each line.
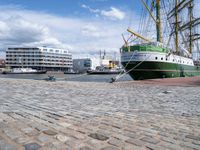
105	71
24	71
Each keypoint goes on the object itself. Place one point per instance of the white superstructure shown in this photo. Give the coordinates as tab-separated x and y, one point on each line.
136	56
39	58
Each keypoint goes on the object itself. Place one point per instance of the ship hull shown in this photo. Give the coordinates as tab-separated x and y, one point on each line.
95	72
151	65
153	70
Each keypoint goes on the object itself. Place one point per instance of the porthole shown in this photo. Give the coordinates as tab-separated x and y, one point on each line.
156	58
161	58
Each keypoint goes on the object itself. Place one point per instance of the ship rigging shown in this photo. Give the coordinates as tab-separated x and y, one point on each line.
171	53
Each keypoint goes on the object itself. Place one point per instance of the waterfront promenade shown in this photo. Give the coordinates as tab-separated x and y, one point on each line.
68	115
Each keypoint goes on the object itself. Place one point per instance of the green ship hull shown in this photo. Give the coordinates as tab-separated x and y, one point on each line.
153	70
162	63
144	58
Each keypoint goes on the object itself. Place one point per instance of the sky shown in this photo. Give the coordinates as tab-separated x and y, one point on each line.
84	27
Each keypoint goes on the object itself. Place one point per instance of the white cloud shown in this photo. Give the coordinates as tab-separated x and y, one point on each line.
90	9
82	36
113	13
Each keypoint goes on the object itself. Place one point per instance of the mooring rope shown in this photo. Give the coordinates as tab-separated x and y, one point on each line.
121	75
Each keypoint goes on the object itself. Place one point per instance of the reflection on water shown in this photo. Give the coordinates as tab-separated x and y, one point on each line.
67	77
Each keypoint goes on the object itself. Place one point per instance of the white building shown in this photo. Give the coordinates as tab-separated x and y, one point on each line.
39	58
84	64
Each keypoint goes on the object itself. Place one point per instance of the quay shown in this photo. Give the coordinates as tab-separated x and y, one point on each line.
66	115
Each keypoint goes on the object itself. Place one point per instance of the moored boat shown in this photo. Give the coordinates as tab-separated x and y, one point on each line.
106	71
24	71
150	60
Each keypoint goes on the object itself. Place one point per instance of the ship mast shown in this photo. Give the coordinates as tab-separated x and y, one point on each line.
176	26
158	22
179	6
190	27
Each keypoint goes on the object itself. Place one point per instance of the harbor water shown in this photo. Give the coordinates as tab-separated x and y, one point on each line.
67	77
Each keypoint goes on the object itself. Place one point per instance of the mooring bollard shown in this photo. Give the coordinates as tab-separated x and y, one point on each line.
113	80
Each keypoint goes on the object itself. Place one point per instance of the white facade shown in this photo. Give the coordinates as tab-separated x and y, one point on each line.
95	63
39	58
84	64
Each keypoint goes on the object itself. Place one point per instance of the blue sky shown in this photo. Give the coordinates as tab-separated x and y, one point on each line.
82	26
71	7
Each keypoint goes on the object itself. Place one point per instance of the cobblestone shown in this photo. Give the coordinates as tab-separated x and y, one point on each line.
32	146
98	116
150	140
98	136
6	146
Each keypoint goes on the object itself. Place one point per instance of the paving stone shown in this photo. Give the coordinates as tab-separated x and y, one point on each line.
124	115
62	138
79	136
128	146
131	135
156	147
135	142
169	146
115	142
85	148
168	139
22	140
95	143
65	124
12	134
54	146
196	142
6	146
193	137
32	146
43	138
49	132
41	128
72	142
150	140
27	130
110	148
98	136
190	146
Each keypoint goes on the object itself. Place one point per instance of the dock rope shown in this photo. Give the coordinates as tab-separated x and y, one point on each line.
123	74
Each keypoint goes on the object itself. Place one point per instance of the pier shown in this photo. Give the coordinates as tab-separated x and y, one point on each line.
136	115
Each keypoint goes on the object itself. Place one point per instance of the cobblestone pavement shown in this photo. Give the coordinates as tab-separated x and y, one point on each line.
98	116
